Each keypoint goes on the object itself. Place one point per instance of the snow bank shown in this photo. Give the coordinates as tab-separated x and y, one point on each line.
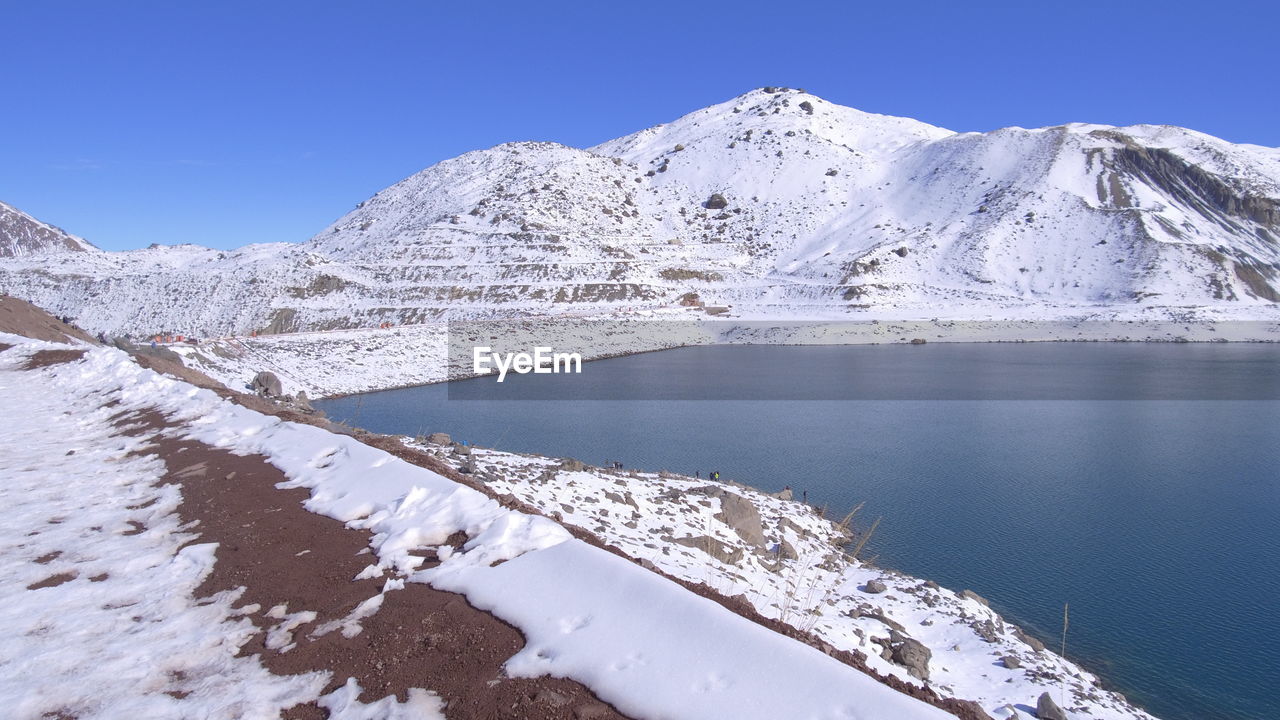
637	640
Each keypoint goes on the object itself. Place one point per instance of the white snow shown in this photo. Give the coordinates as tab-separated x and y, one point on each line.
111	642
831	212
816	587
637	640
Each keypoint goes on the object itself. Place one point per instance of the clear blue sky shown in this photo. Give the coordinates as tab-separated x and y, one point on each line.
226	122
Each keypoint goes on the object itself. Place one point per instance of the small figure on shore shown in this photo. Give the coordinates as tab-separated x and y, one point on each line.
804	496
697	474
715	475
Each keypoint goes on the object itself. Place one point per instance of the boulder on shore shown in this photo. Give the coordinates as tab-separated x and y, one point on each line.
266	383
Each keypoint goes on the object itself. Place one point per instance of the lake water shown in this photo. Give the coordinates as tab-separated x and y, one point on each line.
1136	482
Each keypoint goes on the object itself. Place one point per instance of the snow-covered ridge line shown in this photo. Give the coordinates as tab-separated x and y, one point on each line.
354	361
776	203
791	564
639	641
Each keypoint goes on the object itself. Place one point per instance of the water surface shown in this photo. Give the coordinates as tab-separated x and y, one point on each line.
1136	482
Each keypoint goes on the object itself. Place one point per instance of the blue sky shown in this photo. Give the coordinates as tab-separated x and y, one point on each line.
224	123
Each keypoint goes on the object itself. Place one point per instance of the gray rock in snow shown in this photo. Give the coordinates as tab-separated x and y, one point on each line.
741	514
875	587
266	383
1047	709
1031	642
914	656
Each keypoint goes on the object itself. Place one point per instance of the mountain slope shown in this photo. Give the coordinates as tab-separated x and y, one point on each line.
776	202
22	235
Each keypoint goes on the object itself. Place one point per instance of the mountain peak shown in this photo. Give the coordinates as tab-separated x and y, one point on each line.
22	236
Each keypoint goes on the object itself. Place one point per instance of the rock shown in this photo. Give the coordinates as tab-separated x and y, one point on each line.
1011	662
985	630
572	465
967	594
875	587
741	514
921	341
550	697
784	494
914	656
303	402
266	383
901	252
786	551
460	449
970	709
807	107
592	711
439	438
716	202
1047	709
1031	642
712	547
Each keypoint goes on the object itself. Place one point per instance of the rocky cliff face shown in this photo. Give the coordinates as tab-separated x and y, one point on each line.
22	236
777	203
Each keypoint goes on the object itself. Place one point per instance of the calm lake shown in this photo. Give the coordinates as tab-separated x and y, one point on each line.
1138	482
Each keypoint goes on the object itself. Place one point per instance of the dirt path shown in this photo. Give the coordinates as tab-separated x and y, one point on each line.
284	555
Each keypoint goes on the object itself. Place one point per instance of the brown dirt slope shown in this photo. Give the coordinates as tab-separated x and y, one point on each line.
22	318
279	554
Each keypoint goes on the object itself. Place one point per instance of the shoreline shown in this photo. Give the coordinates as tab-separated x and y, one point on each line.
353	362
555	476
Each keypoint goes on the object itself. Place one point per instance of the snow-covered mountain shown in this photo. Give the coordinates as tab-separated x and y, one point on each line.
776	202
22	235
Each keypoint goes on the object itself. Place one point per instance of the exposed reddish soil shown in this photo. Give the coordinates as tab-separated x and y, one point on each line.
45	358
282	554
22	318
53	581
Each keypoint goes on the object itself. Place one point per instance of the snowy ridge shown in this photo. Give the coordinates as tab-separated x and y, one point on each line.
796	570
22	236
776	202
639	641
344	362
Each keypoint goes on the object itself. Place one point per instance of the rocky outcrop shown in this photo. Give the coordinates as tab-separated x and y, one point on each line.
266	383
738	513
1031	642
22	235
911	654
713	547
1047	709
